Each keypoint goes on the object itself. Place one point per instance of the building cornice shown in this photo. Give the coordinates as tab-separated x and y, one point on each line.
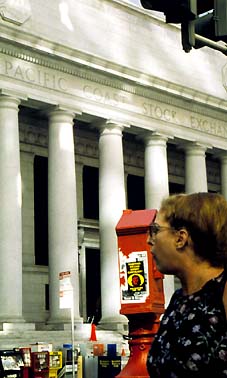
77	63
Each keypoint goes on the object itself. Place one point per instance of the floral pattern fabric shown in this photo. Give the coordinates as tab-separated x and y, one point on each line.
192	338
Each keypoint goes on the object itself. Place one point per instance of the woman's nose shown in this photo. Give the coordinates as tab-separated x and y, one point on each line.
150	240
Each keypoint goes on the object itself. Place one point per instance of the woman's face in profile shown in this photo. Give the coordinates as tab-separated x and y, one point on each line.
163	246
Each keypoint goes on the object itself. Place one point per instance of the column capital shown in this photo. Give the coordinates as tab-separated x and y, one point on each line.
62	109
155	138
9	102
195	148
111	126
13	94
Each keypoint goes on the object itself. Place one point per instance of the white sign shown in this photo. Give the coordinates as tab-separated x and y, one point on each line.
134	277
65	290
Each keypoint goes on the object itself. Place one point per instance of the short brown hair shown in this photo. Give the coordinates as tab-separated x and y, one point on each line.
204	215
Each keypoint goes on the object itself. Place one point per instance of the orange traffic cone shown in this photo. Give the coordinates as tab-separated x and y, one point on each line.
93	332
123	352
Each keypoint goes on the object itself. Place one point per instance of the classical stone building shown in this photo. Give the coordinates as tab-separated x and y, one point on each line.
100	110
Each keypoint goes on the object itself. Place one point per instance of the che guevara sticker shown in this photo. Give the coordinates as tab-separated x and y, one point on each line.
134	277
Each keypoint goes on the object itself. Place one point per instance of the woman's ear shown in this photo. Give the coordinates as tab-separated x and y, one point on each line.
182	237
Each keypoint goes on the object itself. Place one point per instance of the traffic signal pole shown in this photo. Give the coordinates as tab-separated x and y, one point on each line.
203	22
208	42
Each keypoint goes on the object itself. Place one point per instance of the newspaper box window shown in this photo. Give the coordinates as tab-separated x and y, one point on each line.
11	363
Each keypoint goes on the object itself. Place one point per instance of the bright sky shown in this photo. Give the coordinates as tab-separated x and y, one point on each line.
136	2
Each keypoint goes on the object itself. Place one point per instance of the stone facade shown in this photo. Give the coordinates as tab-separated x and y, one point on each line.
102	84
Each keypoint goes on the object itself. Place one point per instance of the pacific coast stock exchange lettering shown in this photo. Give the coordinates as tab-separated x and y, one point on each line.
34	75
157	111
206	125
48	79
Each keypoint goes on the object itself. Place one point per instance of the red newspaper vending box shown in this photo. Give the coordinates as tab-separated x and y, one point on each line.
141	287
26	355
40	364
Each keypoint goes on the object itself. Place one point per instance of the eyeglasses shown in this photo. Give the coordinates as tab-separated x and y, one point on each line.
155	228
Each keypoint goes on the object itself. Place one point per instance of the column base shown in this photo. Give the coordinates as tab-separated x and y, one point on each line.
20	327
114	323
7	323
60	324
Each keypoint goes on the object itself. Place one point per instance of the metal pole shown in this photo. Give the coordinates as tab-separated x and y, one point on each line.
73	341
208	42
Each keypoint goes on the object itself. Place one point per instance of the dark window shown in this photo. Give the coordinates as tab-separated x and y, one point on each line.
41	209
47	302
93	285
175	188
135	190
91	192
213	191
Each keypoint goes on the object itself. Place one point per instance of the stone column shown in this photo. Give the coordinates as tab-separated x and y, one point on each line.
111	205
223	159
62	212
10	213
156	170
157	185
195	168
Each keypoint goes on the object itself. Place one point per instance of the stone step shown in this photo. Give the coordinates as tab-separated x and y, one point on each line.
22	338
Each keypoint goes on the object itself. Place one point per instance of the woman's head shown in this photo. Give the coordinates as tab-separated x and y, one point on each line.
204	215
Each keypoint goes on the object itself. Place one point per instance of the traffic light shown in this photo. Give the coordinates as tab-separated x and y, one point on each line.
198	18
212	25
220	19
176	11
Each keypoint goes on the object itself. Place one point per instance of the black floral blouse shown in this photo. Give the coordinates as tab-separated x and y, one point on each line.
192	337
